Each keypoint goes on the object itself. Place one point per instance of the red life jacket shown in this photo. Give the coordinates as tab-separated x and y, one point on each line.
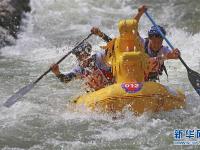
97	78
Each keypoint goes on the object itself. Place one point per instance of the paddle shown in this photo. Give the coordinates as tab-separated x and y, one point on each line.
193	76
13	99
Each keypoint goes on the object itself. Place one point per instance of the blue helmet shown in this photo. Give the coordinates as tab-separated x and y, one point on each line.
84	47
154	32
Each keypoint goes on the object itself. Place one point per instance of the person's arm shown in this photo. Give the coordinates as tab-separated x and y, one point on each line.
62	77
170	54
98	32
137	17
66	77
141	11
174	54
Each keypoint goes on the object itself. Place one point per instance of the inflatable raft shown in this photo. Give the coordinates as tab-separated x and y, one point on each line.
130	64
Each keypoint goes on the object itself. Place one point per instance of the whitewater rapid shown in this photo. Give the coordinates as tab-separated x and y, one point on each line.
41	119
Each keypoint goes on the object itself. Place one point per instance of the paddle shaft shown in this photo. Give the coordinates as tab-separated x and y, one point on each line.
193	76
45	73
163	36
21	92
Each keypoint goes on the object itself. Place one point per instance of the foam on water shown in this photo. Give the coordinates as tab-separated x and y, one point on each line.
41	119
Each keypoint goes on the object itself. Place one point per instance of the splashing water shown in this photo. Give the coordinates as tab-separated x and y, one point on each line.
41	121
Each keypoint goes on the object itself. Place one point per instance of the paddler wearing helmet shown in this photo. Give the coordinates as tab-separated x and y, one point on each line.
91	68
153	46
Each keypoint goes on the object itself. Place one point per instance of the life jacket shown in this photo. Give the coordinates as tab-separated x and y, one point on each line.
154	75
95	77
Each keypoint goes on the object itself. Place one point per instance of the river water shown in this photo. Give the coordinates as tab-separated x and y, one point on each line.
41	121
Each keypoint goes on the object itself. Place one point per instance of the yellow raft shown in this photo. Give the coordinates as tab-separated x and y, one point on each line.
129	65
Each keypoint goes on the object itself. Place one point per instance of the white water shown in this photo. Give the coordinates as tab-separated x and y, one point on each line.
41	121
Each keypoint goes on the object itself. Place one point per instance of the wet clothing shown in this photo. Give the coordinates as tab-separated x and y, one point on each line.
154	75
97	75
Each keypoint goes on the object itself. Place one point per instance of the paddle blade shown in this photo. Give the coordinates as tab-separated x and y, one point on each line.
194	78
13	99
